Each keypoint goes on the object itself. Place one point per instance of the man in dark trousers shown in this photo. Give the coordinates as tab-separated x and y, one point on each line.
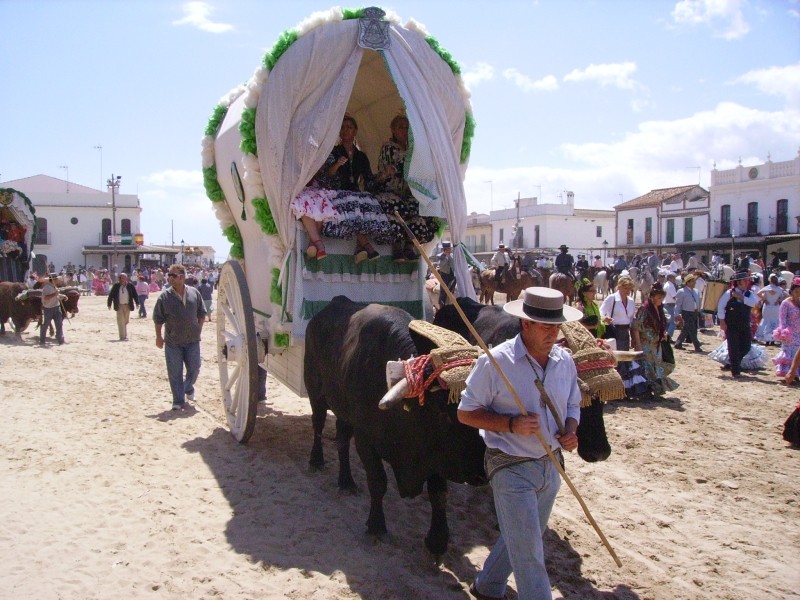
735	319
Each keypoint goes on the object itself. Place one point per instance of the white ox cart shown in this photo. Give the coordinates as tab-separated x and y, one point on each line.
267	138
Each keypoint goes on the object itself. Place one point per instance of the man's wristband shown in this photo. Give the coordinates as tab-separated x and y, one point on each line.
510	424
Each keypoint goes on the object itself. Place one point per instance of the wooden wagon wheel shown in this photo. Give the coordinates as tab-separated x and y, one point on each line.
237	351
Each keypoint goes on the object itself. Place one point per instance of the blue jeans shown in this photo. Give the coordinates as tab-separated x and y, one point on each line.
54	315
178	355
670	308
142	309
524	495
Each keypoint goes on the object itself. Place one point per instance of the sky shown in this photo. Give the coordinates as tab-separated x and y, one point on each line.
606	98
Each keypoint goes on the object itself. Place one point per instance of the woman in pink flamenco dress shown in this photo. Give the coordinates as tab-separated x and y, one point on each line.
788	333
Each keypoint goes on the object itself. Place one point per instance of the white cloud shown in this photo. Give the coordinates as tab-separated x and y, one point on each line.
776	81
477	75
612	74
197	15
725	17
656	155
548	83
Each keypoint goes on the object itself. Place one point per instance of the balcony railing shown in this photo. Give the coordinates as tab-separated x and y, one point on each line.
629	237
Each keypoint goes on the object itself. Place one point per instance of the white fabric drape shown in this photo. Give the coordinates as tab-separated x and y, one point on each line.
312	83
298	119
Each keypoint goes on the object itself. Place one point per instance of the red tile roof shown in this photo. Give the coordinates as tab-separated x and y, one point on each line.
655	197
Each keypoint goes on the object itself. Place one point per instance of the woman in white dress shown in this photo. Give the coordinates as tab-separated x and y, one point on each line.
771	297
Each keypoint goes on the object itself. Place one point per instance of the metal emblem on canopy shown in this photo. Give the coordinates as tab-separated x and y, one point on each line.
6	198
373	32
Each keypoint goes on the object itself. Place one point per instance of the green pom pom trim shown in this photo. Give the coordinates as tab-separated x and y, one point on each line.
352	13
210	182
446	56
275	290
469	133
286	39
247	129
216	120
264	216
281	340
235	238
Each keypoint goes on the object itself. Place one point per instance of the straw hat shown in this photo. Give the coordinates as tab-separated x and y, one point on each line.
542	305
689	278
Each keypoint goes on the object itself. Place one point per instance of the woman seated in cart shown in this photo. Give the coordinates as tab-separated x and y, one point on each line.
335	203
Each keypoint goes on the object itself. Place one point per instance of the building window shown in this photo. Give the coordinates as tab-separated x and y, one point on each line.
670	231
535	236
41	232
74	220
105	231
725	219
501	236
782	213
126	227
752	218
687	229
599	230
648	230
483	243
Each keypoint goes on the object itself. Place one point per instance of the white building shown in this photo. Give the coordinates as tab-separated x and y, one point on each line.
661	219
757	208
533	226
74	227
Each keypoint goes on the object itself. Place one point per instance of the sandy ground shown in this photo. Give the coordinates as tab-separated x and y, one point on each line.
109	494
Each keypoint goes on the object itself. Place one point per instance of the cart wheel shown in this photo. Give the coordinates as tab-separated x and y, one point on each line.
237	351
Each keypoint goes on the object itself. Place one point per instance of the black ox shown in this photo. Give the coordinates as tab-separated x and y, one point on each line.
347	348
495	326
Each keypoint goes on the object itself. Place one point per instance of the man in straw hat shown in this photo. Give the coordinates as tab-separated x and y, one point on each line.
733	311
446	267
524	481
687	311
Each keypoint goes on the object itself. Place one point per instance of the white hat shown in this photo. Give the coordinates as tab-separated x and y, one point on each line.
542	305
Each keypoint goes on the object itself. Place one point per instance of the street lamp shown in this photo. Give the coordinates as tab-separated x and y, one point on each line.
733	248
605	252
182	262
113	184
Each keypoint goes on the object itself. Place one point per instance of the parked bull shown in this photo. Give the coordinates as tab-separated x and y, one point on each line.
347	348
495	326
21	312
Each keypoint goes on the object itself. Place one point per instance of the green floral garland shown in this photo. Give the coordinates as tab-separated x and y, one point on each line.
264	216
235	238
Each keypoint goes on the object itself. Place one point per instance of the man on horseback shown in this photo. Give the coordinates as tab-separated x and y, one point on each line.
501	261
565	263
582	266
446	269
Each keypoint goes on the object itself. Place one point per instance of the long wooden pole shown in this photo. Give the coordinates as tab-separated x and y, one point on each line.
510	388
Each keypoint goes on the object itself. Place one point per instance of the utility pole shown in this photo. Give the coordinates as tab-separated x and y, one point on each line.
113	184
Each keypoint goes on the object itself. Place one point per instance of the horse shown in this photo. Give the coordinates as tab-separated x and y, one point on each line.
599	279
514	280
642	282
564	284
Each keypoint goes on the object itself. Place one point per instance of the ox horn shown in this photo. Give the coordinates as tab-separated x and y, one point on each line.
394	395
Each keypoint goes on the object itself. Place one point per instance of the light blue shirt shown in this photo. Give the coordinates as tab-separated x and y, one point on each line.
486	389
687	299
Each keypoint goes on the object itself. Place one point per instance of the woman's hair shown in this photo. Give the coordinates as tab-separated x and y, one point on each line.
395	122
773	279
351	119
584	285
624	281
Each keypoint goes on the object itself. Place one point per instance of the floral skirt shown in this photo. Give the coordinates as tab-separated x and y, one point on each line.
784	359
